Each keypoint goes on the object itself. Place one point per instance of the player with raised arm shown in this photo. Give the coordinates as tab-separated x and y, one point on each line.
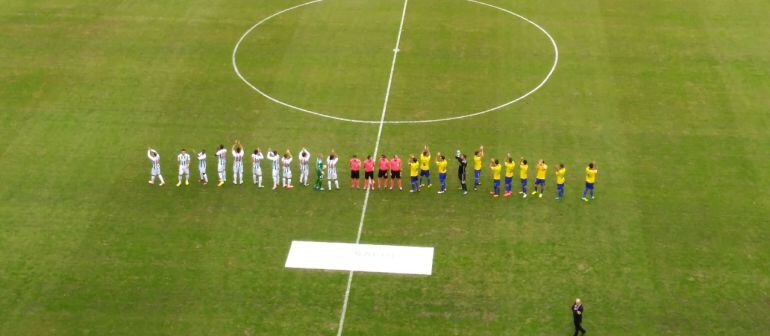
304	166
395	171
425	166
494	165
462	169
331	170
237	162
202	166
540	174
355	172
591	172
369	173
155	170
414	171
221	164
273	156
286	164
509	166
560	179
382	172
441	164
256	168
183	159
319	172
477	156
523	173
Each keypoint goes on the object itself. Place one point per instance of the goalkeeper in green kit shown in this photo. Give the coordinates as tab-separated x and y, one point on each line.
319	173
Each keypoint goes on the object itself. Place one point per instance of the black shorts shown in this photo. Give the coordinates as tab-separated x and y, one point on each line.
396	174
354	174
369	175
382	174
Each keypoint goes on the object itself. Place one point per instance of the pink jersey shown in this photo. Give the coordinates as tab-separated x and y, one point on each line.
395	165
355	164
384	164
369	165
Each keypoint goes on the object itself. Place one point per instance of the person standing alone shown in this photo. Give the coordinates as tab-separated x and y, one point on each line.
577	317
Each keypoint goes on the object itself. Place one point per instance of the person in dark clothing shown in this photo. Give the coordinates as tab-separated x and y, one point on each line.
577	317
461	169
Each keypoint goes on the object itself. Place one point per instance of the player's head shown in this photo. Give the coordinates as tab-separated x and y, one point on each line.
510	159
476	152
221	146
425	152
395	156
383	156
442	157
331	156
368	157
275	152
256	151
304	154
561	165
591	165
153	153
462	156
203	151
354	156
523	161
578	302
497	162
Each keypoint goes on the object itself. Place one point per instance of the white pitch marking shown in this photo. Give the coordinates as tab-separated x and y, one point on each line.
541	84
376	148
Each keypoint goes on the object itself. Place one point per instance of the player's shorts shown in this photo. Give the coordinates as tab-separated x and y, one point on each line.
155	171
382	173
524	182
396	174
424	172
238	167
477	173
275	174
202	168
442	176
539	181
332	174
287	173
354	174
184	170
496	183
508	180
589	186
369	175
560	186
414	179
221	168
257	170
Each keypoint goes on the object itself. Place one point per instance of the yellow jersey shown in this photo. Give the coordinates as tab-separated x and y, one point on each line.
523	171
441	165
541	170
496	172
477	162
560	176
591	175
414	169
509	168
424	162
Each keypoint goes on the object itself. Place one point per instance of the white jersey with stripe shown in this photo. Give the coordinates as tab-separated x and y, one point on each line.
154	159
274	157
237	158
202	161
331	164
222	157
184	160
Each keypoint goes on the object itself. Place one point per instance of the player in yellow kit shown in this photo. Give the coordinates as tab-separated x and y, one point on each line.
441	166
425	166
541	171
509	165
523	171
414	171
477	156
494	164
560	179
591	172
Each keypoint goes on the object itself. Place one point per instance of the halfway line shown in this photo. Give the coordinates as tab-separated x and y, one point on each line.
376	148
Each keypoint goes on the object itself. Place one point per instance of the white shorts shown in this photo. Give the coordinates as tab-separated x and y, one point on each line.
155	171
331	174
286	173
184	170
275	174
221	168
238	167
257	170
202	169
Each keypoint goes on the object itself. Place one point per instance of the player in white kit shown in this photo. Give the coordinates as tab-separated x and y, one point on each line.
331	171
184	167
221	164
272	155
202	166
155	170
286	164
237	163
304	166
256	169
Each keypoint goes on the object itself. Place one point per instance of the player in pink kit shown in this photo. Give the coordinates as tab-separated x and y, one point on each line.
395	171
369	172
355	169
382	174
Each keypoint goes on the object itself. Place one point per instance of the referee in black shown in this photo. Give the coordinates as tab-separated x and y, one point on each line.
577	317
461	169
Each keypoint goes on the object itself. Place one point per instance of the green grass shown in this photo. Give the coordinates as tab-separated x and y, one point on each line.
669	97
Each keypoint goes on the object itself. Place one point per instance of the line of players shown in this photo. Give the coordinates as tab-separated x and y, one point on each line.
389	171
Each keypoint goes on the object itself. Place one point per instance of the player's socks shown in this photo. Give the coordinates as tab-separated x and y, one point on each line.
336	185
161	180
585	199
179	183
541	195
259	181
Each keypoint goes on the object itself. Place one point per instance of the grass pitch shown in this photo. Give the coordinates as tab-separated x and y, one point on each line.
670	98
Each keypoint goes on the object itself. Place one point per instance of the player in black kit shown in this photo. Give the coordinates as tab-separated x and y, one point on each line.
461	169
